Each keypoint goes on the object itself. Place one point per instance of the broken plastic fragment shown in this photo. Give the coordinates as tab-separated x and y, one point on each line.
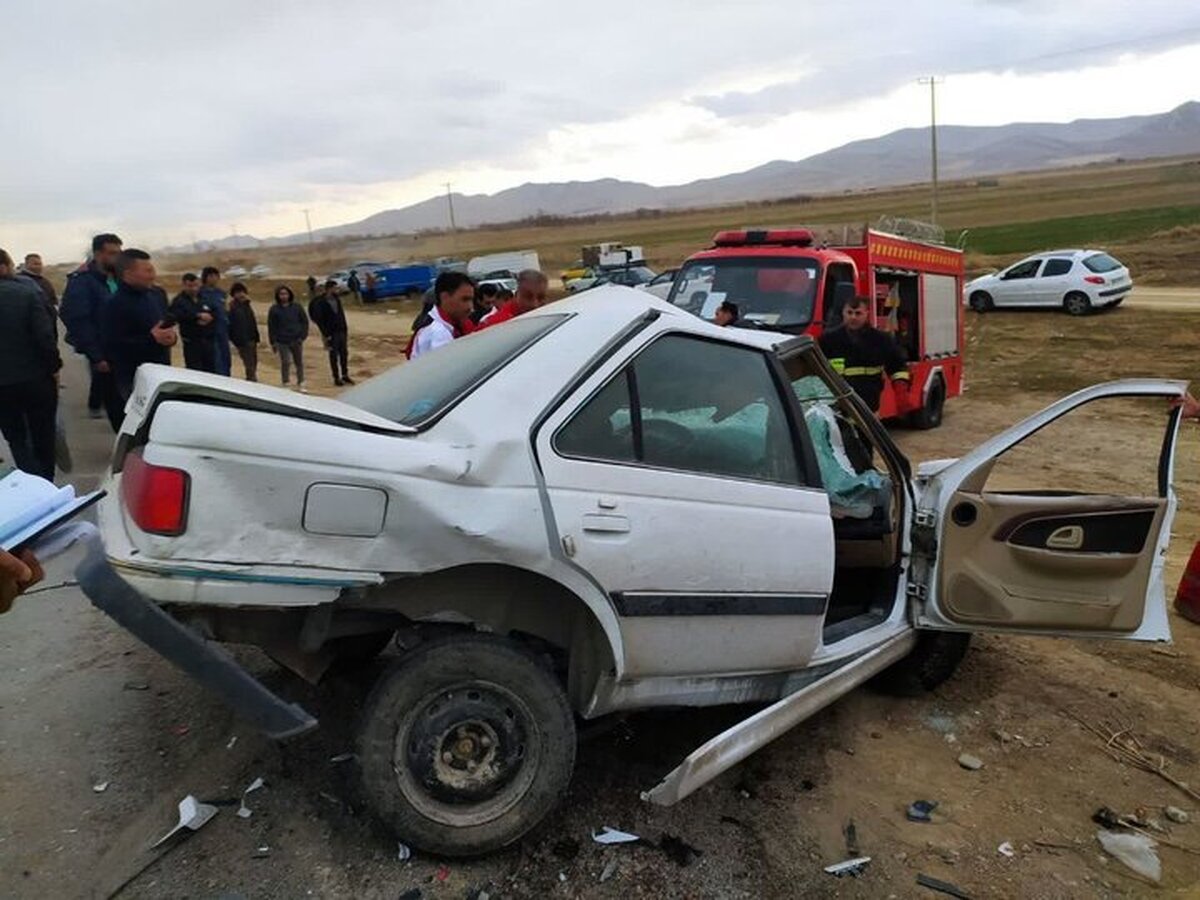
608	835
341	758
1134	850
1006	849
853	867
245	812
403	851
193	815
101	787
919	810
232	741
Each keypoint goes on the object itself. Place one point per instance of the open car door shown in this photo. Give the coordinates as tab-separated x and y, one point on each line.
1038	558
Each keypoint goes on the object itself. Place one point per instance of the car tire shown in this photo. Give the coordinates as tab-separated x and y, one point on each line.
930	414
981	301
935	658
1077	303
467	743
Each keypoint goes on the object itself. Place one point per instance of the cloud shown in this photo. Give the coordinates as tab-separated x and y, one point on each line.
159	115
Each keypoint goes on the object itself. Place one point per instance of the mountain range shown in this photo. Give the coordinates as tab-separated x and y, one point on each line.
901	157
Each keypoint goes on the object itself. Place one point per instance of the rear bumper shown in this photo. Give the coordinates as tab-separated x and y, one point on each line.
1113	293
206	662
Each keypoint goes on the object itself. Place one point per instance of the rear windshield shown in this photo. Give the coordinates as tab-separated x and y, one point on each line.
1101	262
421	390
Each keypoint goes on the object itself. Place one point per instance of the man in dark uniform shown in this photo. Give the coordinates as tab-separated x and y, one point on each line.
196	319
136	328
862	354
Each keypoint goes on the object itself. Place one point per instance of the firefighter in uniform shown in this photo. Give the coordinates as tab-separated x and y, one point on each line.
861	353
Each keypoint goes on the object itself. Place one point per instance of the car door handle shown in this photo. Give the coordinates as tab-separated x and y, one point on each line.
605	524
1069	537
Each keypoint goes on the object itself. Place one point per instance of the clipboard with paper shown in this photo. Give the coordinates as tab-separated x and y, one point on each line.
32	509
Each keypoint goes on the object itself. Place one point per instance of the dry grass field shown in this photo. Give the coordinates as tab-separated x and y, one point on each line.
1148	213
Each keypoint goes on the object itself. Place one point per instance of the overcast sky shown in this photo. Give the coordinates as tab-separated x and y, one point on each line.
166	120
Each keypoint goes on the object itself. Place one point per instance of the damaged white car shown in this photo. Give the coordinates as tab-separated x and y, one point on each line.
607	504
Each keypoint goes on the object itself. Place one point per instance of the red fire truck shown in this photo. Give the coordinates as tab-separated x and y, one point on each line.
787	280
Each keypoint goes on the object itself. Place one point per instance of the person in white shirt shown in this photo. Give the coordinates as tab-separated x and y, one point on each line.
455	294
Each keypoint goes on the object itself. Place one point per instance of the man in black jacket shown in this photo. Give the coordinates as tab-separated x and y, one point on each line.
136	329
243	329
862	353
196	325
84	299
29	364
327	312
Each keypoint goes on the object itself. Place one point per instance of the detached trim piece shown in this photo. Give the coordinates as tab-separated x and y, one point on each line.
663	604
732	746
207	663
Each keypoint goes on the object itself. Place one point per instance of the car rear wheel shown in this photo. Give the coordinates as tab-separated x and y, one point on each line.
930	415
467	743
1077	304
981	301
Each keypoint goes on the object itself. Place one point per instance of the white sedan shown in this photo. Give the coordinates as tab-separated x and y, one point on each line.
1078	281
605	504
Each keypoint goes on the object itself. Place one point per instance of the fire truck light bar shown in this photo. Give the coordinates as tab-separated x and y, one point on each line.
786	237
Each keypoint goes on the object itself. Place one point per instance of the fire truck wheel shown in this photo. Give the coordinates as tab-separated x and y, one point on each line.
930	415
981	301
1077	304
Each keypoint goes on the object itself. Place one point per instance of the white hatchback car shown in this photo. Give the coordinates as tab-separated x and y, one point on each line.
605	504
1078	281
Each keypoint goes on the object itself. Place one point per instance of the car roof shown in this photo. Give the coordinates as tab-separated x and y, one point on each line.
611	308
1074	254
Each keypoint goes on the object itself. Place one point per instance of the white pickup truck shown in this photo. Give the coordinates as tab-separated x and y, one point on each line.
607	504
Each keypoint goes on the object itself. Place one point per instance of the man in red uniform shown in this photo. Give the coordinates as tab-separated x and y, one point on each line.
531	293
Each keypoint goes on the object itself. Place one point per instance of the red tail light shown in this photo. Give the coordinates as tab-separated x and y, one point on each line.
156	496
1187	598
1093	279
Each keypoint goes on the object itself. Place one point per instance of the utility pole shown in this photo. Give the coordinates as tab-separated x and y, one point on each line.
450	202
933	81
308	225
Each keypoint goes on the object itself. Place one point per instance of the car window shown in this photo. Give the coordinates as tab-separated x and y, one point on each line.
1056	266
418	391
1101	262
1026	269
774	292
701	406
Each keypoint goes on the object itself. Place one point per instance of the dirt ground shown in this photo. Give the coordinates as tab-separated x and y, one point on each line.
82	703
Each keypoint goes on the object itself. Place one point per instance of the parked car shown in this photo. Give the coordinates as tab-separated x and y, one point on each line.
1078	281
410	280
660	285
595	507
575	271
235	272
631	276
512	261
260	271
501	278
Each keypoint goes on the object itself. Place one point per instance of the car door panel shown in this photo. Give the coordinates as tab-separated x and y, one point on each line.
1046	562
708	573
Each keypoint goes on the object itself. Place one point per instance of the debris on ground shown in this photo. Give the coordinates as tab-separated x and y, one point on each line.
1006	849
411	893
101	787
1136	851
181	730
1124	746
261	853
850	831
1176	815
942	887
920	810
244	812
1108	818
193	815
442	873
136	686
678	850
609	871
403	851
232	741
967	761
852	867
341	758
608	835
